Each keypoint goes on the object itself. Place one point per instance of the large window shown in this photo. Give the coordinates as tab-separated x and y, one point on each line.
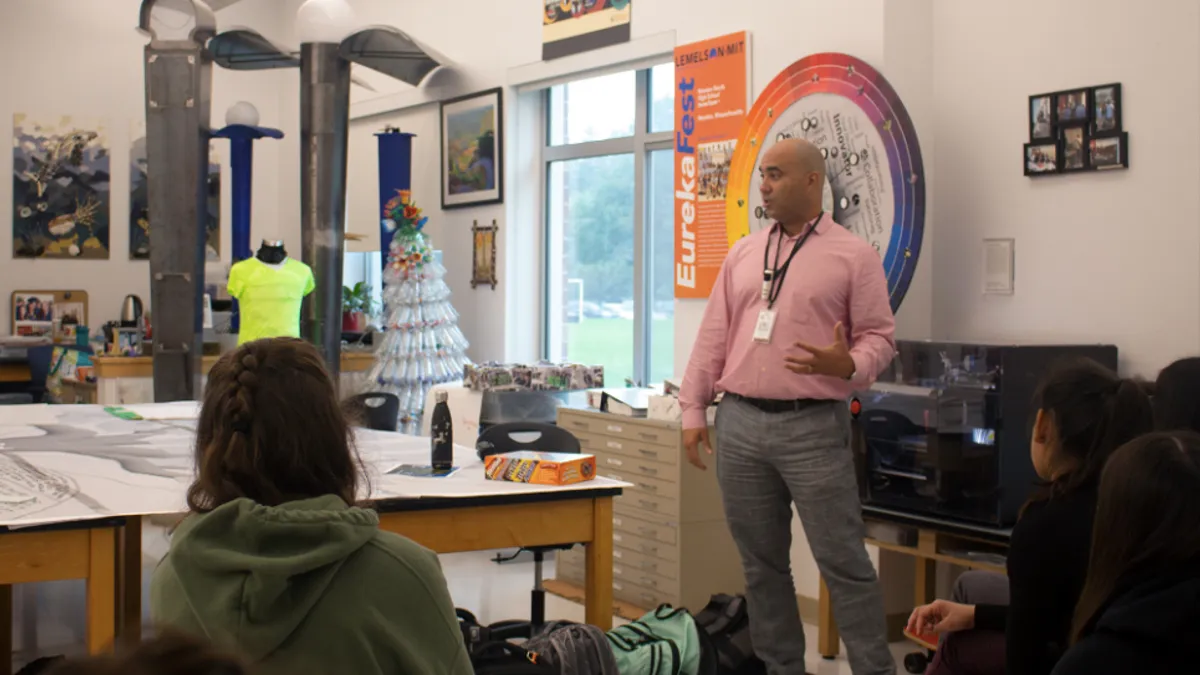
610	234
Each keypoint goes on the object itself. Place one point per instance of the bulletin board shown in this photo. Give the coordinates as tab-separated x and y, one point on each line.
38	313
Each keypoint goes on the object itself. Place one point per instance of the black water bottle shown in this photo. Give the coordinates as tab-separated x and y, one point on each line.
441	432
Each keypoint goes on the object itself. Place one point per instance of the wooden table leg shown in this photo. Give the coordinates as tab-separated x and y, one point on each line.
6	629
129	577
102	590
598	589
827	630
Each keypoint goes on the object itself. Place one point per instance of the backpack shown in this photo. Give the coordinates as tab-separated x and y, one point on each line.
725	621
497	657
666	641
506	658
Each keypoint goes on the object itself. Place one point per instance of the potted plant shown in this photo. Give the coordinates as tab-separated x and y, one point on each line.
357	305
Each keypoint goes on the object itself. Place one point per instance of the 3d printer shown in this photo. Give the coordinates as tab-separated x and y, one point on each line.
945	430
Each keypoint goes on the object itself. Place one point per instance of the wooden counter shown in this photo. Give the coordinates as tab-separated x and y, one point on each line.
122	380
143	366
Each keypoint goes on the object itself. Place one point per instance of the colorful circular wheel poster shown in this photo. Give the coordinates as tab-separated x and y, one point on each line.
876	185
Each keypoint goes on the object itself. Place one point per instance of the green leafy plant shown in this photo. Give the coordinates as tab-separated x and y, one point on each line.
358	298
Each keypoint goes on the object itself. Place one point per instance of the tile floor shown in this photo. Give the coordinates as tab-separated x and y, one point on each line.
48	617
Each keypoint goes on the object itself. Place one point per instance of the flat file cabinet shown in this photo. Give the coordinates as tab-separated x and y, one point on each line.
670	541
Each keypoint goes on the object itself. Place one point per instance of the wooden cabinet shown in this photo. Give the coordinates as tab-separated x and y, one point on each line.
670	541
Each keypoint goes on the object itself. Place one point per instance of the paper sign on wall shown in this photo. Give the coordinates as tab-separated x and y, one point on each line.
711	95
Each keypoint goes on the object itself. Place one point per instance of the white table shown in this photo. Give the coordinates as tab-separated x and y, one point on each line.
94	476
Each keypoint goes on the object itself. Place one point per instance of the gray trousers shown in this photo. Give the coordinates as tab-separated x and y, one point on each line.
765	463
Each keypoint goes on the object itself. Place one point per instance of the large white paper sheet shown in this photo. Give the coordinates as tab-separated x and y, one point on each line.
178	410
79	462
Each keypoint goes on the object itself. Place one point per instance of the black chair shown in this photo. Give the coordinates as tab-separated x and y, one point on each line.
381	412
538	437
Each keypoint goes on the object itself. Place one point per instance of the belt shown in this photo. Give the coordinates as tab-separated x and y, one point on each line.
777	405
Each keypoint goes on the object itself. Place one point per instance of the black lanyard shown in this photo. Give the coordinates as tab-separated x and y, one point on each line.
773	276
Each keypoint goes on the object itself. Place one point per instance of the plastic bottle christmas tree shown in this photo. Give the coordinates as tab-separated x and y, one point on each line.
422	345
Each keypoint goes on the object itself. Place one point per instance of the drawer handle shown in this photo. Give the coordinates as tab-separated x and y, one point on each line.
614	462
579	424
647	531
616	521
647	581
646	469
618	554
648	598
617	586
647	488
615	428
616	536
648	453
648	504
649	549
648	436
614	445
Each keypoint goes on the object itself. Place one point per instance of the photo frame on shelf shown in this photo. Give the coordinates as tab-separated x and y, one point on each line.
1109	152
1041	159
1106	109
39	313
483	258
472	137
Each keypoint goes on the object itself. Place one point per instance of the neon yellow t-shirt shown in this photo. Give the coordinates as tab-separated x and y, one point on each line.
269	297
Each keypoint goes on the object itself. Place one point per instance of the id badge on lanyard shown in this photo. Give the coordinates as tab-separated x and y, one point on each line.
765	326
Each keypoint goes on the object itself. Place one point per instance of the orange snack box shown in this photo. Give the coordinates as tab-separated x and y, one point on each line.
541	468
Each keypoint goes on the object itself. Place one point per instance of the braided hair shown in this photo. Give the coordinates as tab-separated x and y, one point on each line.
1093	412
271	430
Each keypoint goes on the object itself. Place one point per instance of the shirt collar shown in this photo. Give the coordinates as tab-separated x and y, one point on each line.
823	221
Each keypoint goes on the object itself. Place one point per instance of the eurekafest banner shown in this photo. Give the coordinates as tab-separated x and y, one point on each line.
712	85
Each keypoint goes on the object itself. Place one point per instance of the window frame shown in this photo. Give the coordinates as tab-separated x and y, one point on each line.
640	145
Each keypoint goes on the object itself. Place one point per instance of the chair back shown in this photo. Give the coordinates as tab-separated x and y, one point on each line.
41	360
380	411
535	436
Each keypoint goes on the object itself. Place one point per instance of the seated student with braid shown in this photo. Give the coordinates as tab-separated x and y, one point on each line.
1019	623
275	563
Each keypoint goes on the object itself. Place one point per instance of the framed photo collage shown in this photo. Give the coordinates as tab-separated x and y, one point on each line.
1076	130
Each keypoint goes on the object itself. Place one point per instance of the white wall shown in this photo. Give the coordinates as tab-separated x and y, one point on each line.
1100	257
84	59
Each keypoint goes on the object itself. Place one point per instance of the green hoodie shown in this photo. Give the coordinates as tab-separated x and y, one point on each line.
309	587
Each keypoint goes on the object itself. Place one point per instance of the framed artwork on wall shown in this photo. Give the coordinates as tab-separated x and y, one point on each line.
1106	109
1109	152
473	150
1041	158
1041	117
483	259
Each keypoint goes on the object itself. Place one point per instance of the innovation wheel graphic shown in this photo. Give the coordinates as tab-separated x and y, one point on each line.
876	185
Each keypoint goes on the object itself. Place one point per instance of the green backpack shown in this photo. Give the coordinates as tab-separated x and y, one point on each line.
663	642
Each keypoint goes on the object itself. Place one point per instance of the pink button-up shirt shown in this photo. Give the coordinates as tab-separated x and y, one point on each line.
836	276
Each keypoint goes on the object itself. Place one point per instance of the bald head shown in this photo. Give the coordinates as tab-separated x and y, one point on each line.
793	179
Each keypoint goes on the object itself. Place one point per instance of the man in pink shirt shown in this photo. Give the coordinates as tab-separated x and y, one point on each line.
799	318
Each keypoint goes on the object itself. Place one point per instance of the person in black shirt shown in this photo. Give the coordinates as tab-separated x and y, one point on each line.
1085	412
1140	608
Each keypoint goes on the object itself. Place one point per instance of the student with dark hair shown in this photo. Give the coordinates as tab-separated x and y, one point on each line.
1019	624
171	653
274	562
1140	608
1177	396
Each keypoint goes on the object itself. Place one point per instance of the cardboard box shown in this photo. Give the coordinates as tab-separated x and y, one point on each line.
540	468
